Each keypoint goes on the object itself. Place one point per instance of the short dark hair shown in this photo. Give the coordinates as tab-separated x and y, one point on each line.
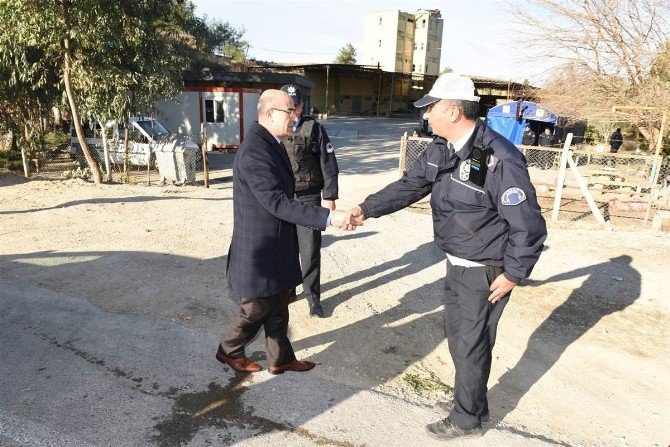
469	109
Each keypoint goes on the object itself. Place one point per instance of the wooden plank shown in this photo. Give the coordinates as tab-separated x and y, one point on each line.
585	192
615	183
403	154
561	177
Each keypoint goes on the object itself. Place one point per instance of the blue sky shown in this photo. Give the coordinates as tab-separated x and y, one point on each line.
480	37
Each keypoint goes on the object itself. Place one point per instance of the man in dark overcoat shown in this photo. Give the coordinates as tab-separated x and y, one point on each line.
263	263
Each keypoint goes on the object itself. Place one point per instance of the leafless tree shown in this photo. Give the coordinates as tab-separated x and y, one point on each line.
605	53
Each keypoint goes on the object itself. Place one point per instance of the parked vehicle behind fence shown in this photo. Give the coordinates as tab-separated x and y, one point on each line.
145	137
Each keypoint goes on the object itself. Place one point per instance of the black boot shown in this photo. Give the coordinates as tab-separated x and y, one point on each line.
445	429
315	309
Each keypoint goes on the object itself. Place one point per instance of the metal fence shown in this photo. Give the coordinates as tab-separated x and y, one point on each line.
170	158
628	189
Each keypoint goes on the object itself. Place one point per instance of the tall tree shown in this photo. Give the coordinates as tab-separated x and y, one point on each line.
27	92
107	56
347	55
212	36
606	53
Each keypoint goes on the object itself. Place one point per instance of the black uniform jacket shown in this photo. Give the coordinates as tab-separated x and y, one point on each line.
499	223
263	255
528	138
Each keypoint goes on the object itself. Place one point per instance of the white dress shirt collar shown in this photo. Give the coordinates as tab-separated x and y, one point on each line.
458	144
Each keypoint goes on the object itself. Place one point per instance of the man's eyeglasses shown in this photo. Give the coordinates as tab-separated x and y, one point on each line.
430	106
290	112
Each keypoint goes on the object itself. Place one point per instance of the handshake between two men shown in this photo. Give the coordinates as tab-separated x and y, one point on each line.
347	220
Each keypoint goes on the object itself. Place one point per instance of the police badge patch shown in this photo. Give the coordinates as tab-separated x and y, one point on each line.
464	170
513	196
329	148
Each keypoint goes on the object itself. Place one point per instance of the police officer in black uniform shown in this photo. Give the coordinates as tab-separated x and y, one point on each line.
486	219
528	137
315	167
546	138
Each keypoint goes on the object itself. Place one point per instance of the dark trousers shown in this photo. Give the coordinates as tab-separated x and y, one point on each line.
309	241
270	312
471	322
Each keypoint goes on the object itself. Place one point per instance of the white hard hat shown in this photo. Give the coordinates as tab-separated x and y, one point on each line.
450	86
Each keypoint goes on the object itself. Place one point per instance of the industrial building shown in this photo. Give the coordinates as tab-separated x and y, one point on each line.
398	41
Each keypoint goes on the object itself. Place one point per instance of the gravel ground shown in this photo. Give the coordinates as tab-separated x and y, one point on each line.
581	356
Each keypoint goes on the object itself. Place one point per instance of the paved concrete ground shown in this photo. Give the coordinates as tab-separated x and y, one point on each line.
93	350
79	376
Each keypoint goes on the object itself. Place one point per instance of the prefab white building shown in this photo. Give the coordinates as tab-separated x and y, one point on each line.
225	112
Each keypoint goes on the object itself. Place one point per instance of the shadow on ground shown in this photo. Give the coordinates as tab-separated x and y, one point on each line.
159	285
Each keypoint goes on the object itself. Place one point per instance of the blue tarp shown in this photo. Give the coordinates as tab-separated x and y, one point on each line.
505	120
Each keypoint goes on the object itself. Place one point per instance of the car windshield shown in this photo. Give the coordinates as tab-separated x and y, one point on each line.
153	128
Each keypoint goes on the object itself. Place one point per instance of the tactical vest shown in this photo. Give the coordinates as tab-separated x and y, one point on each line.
305	162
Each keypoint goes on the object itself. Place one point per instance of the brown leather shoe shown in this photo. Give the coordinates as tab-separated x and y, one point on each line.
295	365
243	364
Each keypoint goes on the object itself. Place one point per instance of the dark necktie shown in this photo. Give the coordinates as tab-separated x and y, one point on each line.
450	151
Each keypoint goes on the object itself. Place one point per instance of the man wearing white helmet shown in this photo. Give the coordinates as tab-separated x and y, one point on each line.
485	218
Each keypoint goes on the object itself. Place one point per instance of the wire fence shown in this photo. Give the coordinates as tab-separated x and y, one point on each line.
159	159
628	189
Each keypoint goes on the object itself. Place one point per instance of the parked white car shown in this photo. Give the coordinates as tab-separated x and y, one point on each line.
145	137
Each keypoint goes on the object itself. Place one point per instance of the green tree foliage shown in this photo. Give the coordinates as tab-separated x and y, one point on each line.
212	36
28	86
104	58
347	55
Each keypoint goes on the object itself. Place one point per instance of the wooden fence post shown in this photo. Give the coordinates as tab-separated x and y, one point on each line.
403	154
26	166
205	161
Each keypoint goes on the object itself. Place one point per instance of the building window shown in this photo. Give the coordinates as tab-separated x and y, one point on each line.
214	111
380	21
410	20
428	46
422	45
423	23
413	67
380	43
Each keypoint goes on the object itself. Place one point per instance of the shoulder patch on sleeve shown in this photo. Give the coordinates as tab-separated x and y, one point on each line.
513	196
329	148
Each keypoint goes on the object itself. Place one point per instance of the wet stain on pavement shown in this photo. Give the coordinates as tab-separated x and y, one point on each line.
222	408
217	407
